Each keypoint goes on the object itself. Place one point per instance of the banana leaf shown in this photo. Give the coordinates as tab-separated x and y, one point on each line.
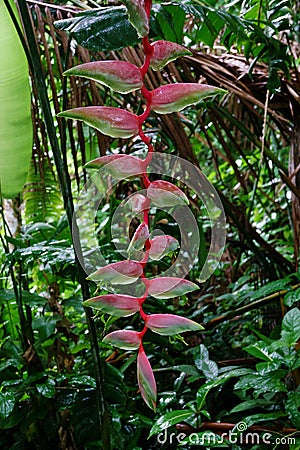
15	103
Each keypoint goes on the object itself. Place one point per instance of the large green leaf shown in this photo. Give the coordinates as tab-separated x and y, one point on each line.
257	418
263	383
114	394
8	295
291	327
107	29
7	403
170	20
103	29
42	197
45	325
219	381
209	31
169	419
250	404
292	407
203	363
292	297
15	113
259	350
46	389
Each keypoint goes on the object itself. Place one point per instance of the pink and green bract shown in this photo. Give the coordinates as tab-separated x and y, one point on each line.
124	77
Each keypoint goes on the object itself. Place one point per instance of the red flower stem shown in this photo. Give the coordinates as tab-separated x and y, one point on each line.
143	314
143	332
146	217
148	6
148	49
144	138
141	349
146	180
146	94
145	295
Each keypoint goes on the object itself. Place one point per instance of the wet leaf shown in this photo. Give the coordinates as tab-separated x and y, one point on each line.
7	403
204	364
114	122
292	297
101	30
45	326
169	419
209	369
292	407
291	326
47	389
259	350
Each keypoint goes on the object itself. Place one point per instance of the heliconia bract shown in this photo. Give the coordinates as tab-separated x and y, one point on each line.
114	122
165	52
123	272
163	193
146	380
175	97
170	324
139	238
137	16
169	287
120	76
138	203
119	166
124	77
161	246
124	339
115	304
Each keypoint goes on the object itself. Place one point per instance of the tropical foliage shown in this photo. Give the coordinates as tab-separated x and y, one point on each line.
63	385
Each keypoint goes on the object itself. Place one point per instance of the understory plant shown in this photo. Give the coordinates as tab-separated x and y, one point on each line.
267	393
124	77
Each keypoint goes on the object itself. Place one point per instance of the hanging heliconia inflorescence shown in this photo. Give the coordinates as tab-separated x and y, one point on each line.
124	77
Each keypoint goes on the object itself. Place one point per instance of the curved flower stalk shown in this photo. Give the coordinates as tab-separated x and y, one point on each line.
124	77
